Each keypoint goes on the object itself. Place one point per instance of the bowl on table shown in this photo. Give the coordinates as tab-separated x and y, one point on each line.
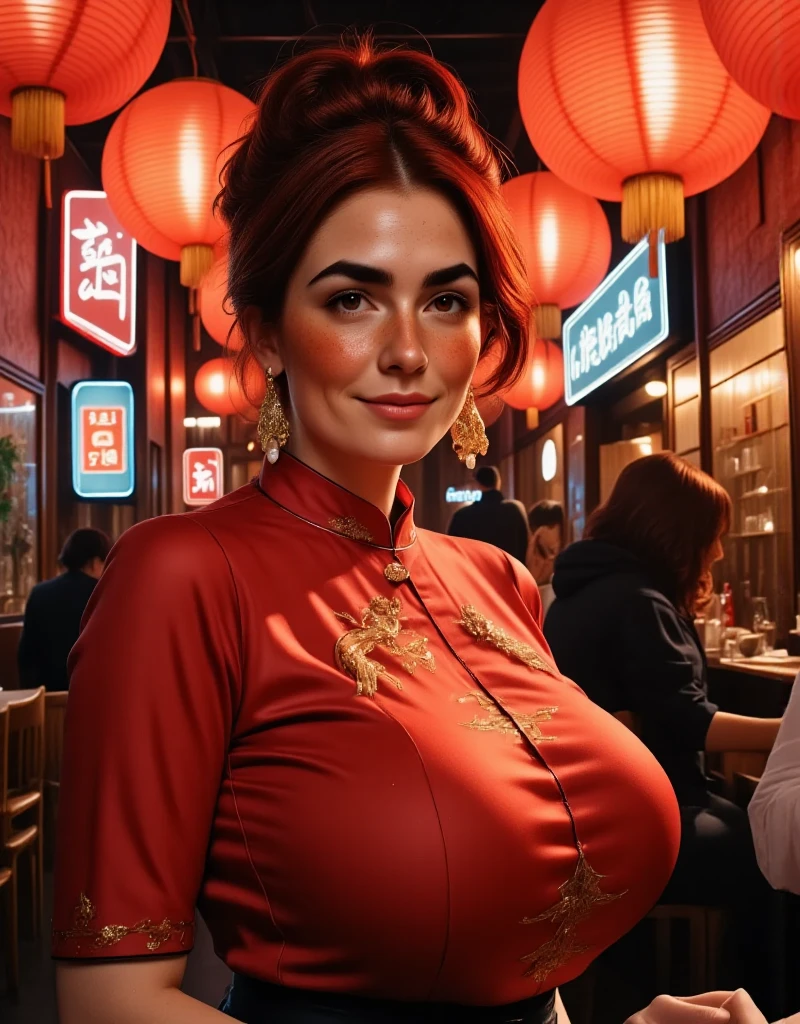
750	644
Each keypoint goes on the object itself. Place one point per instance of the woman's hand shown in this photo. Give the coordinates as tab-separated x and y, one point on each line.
707	1008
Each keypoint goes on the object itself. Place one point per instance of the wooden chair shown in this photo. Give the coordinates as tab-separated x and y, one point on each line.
21	785
8	884
705	929
55	708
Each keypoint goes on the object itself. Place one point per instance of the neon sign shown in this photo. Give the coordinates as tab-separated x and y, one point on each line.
202	476
102	439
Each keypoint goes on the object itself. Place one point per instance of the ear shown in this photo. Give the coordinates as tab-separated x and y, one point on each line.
263	339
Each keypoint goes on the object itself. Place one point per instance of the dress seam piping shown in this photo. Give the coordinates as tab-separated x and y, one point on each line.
256	874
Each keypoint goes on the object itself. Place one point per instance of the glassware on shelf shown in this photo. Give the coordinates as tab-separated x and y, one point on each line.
763	624
713	625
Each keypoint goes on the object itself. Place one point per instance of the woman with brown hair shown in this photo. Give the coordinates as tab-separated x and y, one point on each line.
622	627
343	736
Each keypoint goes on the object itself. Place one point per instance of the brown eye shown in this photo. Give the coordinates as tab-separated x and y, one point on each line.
445	303
350	301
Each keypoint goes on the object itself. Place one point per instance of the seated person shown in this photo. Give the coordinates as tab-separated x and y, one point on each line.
546	522
622	628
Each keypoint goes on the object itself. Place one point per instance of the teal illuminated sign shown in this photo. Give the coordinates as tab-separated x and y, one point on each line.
102	439
625	317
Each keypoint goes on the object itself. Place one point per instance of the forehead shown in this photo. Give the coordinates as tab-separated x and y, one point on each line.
382	226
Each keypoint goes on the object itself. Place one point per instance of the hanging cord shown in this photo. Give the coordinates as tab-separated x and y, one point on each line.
186	17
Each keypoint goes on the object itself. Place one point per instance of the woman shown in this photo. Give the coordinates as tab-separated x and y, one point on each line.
342	736
622	628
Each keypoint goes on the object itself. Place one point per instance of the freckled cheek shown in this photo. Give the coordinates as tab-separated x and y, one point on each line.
327	355
455	359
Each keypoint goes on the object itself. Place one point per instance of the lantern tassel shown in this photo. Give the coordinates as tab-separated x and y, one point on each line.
652	239
651	202
196	261
37	122
548	320
47	183
194	313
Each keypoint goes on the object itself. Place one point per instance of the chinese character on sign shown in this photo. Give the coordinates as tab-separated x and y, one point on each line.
103	439
642	306
98	287
107	270
624	323
202	475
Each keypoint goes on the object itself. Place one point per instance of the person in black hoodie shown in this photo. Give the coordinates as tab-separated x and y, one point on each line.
622	628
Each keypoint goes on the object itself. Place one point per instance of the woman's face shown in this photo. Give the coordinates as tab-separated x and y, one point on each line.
380	332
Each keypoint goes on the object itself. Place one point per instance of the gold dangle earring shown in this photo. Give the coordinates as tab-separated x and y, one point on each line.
273	427
469	433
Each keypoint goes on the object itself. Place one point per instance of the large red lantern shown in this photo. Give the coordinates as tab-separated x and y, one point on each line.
542	381
759	44
566	241
161	166
630	101
218	389
73	61
219	323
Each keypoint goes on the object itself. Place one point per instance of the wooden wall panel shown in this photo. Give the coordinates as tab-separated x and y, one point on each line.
745	216
19	218
155	348
73	365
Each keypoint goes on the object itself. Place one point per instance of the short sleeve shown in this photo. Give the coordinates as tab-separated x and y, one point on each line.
775	808
155	680
662	673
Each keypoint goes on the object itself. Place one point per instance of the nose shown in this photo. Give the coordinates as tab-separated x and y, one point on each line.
403	348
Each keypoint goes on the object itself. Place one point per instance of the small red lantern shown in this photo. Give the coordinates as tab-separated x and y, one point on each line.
542	382
566	241
759	44
216	319
161	168
217	387
69	62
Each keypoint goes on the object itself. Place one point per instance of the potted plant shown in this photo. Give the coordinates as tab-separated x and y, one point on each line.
10	459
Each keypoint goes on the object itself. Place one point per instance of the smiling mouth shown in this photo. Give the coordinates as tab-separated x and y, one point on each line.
399	407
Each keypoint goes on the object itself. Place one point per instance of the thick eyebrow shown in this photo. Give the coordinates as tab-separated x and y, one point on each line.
374	275
356	272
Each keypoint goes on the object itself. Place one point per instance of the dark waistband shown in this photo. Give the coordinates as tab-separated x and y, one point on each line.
259	1002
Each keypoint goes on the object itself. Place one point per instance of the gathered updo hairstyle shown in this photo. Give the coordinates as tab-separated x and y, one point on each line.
339	119
668	514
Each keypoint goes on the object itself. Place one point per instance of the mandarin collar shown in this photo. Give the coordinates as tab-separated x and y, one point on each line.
312	497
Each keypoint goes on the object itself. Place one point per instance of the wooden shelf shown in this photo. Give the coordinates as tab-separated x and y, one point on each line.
763	494
727	445
742	472
756	533
764	396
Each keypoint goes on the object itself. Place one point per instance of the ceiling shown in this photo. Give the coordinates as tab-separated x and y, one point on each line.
239	41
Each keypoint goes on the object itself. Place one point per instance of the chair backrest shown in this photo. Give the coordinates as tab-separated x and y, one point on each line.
3	757
26	742
55	709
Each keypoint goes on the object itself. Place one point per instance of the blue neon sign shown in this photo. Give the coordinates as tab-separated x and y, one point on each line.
103	439
625	317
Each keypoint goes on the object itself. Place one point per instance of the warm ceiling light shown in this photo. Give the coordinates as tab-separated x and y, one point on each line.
208	421
251	446
190	421
656	388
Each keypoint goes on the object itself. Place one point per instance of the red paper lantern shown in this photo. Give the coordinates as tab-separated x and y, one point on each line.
217	389
73	61
215	316
759	44
630	101
565	239
161	167
542	381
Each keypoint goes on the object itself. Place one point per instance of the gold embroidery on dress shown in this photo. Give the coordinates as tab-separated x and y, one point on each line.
349	527
498	721
158	932
380	626
484	629
579	896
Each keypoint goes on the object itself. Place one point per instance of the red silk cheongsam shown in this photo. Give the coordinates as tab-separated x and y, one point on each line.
349	745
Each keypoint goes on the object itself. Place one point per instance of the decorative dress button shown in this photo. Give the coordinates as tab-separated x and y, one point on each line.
396	572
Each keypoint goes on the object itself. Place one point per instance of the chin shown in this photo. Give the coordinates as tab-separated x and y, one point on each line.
395	451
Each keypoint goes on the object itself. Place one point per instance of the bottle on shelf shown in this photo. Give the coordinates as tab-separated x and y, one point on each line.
726	601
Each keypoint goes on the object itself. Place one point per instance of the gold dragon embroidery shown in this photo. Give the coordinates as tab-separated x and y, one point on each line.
380	626
157	932
483	629
578	896
497	720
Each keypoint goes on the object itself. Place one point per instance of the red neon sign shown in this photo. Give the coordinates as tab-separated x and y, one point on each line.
98	272
202	475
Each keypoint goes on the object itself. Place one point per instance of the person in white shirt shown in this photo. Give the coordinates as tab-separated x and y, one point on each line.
775	808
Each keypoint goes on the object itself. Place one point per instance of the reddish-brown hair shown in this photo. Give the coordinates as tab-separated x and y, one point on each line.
668	513
336	120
